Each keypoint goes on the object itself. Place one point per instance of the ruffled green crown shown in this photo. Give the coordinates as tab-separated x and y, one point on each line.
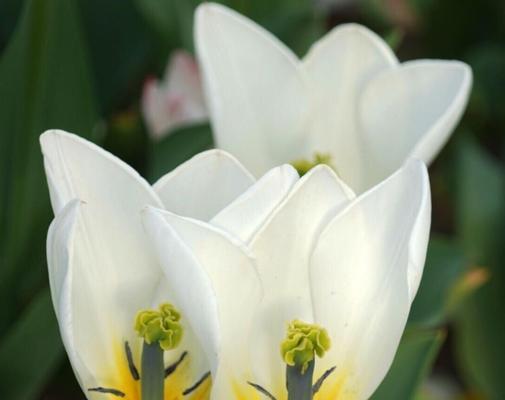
162	326
303	342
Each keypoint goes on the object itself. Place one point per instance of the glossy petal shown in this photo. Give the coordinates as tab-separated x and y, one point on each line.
339	65
410	111
248	212
76	168
104	270
116	276
256	94
204	185
282	248
361	278
59	253
216	284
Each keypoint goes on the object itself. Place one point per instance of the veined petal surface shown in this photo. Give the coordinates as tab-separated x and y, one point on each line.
215	281
255	90
349	98
245	216
59	252
102	270
410	111
359	277
282	248
203	185
339	66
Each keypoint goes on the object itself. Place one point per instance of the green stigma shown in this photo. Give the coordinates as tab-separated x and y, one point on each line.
303	166
304	341
160	326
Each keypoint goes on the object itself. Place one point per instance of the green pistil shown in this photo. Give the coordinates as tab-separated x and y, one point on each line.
160	326
303	166
161	330
303	342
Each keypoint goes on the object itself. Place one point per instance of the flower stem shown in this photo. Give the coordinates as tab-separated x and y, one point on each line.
152	372
299	382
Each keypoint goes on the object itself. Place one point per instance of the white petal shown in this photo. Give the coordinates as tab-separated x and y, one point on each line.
112	253
256	94
282	248
410	111
216	284
76	168
111	272
361	277
203	185
59	252
339	65
95	304
245	215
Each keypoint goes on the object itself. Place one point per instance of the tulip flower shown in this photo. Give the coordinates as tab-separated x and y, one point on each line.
298	289
348	101
124	336
177	100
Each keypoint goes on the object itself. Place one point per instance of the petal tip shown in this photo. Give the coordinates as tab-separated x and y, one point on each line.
48	138
205	12
358	31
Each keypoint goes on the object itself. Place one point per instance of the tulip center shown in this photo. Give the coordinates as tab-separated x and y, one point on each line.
299	349
303	165
161	330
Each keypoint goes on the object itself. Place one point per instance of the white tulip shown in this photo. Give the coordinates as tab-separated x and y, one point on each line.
349	98
299	249
102	271
177	100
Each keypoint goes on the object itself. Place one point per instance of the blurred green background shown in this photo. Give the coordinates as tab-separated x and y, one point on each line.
80	65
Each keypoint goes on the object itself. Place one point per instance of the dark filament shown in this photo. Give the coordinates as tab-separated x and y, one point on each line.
262	390
131	364
321	380
113	392
171	368
198	383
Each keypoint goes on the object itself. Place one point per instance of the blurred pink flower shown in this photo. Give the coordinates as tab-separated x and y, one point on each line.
175	101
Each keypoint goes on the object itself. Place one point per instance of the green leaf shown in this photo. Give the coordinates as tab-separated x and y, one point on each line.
445	264
412	362
31	351
119	51
481	207
481	220
171	19
8	17
178	147
160	16
45	82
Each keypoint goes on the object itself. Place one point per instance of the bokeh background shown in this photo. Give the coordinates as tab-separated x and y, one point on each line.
81	65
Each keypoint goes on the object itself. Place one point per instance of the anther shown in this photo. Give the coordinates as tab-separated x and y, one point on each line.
303	165
103	390
195	386
172	367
